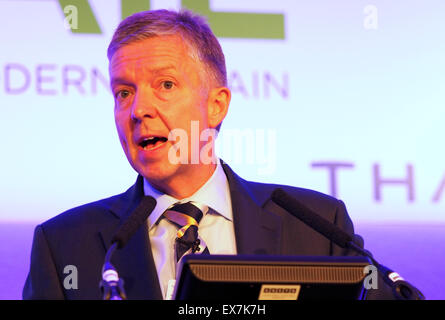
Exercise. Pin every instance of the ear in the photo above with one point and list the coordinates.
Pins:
(218, 105)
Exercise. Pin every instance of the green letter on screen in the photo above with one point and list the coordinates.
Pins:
(239, 25)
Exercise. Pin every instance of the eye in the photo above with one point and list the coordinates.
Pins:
(122, 94)
(167, 84)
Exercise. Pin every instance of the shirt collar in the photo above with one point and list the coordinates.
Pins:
(215, 193)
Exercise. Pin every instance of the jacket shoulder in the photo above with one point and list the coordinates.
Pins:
(93, 213)
(315, 200)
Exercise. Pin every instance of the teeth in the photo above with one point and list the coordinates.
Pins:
(150, 141)
(147, 139)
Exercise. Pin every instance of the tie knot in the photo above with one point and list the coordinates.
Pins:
(186, 214)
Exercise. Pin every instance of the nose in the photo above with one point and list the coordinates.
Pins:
(143, 106)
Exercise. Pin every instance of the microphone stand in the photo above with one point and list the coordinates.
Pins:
(402, 289)
(112, 286)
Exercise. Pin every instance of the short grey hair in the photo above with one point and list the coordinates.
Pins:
(193, 28)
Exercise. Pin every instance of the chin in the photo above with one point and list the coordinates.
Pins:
(156, 174)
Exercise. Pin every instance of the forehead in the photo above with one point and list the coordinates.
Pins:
(152, 53)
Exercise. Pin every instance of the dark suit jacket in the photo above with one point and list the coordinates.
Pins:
(81, 236)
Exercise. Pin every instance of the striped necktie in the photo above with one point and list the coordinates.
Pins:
(187, 217)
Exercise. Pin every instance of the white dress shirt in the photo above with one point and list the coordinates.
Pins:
(216, 227)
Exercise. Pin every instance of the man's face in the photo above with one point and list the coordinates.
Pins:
(157, 87)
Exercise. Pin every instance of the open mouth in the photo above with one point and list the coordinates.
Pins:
(152, 142)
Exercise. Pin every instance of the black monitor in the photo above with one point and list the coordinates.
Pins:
(253, 277)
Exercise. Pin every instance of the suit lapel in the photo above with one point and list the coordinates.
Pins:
(257, 231)
(121, 207)
(134, 262)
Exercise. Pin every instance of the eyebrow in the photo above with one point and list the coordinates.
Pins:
(121, 80)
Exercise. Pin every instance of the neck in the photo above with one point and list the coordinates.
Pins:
(186, 182)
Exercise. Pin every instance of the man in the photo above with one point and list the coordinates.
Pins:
(168, 78)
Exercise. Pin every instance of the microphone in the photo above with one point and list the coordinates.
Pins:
(112, 286)
(401, 289)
